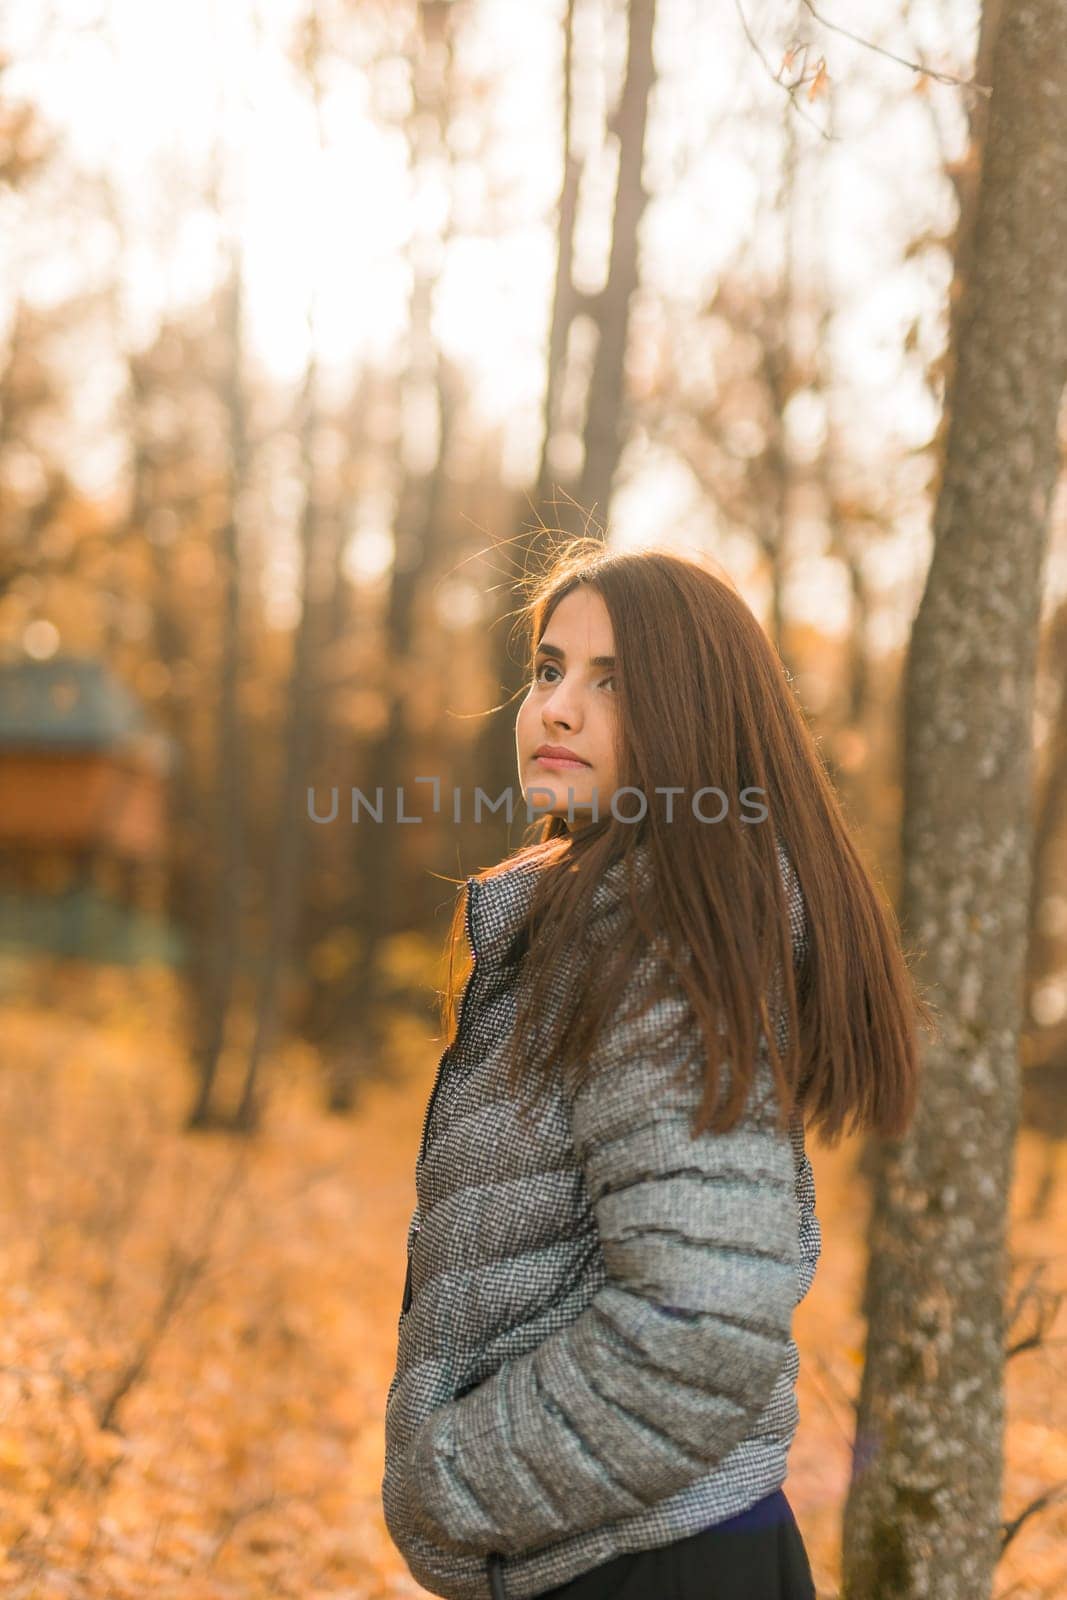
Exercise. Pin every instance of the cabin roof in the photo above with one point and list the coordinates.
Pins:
(71, 701)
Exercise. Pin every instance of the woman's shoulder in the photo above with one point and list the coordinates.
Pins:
(634, 875)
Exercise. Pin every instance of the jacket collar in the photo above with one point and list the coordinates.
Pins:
(498, 906)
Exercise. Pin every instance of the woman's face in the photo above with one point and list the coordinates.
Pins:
(571, 704)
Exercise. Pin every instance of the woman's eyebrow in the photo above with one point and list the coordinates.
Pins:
(561, 655)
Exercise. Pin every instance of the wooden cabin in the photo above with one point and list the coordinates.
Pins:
(83, 814)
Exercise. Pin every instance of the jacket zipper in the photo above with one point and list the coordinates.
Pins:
(405, 1300)
(471, 890)
(494, 1564)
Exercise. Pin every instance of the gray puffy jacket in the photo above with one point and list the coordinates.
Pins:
(595, 1347)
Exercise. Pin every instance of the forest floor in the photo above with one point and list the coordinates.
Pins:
(197, 1332)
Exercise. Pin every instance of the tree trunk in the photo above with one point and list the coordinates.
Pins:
(565, 300)
(302, 703)
(923, 1515)
(966, 177)
(1049, 870)
(223, 911)
(418, 525)
(780, 366)
(607, 389)
(605, 401)
(288, 858)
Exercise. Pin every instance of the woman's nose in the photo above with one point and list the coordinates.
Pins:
(560, 710)
(562, 706)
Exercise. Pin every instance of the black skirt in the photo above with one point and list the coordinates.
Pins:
(756, 1555)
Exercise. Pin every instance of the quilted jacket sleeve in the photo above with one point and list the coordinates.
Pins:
(669, 1365)
(810, 1230)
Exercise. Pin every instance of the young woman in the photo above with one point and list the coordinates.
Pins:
(595, 1385)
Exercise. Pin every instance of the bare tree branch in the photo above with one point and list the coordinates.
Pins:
(912, 66)
(776, 77)
(814, 78)
(1058, 1491)
(1047, 1303)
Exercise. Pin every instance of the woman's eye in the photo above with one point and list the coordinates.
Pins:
(550, 666)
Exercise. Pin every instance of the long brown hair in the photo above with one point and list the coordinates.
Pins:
(703, 699)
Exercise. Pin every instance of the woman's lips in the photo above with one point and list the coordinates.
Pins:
(561, 762)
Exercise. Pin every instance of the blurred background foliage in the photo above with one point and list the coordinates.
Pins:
(314, 314)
